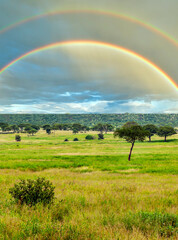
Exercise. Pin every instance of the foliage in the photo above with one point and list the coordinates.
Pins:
(3, 126)
(75, 139)
(17, 138)
(32, 131)
(131, 134)
(103, 127)
(117, 120)
(66, 140)
(130, 124)
(89, 137)
(166, 131)
(100, 136)
(75, 130)
(15, 128)
(32, 192)
(48, 131)
(46, 126)
(152, 129)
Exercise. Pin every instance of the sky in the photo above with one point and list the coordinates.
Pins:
(111, 56)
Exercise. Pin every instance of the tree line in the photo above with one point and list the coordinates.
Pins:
(31, 129)
(117, 120)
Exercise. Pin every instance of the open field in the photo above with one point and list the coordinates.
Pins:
(50, 151)
(99, 194)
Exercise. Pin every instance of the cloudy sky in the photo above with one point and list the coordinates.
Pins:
(84, 77)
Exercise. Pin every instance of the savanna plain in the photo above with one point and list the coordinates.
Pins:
(99, 194)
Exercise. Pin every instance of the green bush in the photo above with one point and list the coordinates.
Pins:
(66, 140)
(32, 192)
(100, 136)
(89, 137)
(17, 138)
(75, 139)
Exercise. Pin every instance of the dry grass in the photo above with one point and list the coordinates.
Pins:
(88, 205)
(136, 200)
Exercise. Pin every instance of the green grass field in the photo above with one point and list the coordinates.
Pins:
(99, 194)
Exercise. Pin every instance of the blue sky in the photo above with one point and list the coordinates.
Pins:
(88, 78)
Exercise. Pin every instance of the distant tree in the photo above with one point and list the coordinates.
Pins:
(66, 126)
(56, 126)
(99, 127)
(17, 138)
(32, 131)
(3, 126)
(85, 128)
(27, 128)
(100, 136)
(131, 134)
(75, 130)
(21, 126)
(35, 127)
(166, 131)
(76, 127)
(15, 128)
(7, 129)
(48, 131)
(152, 129)
(46, 126)
(108, 127)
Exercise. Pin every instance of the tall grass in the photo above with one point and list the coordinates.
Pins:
(98, 193)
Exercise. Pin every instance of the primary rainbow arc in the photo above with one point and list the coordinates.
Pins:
(96, 43)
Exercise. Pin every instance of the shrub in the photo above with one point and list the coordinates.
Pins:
(17, 138)
(66, 140)
(48, 131)
(75, 139)
(100, 136)
(32, 192)
(89, 137)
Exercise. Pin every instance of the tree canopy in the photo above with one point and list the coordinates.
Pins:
(152, 129)
(166, 131)
(131, 134)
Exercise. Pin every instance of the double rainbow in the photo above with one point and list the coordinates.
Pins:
(99, 44)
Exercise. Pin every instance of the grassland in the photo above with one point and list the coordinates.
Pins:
(99, 194)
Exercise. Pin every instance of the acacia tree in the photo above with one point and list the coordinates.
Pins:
(131, 134)
(152, 129)
(166, 131)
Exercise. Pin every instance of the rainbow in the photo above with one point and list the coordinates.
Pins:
(95, 43)
(92, 11)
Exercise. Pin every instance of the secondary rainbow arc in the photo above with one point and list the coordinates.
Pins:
(93, 11)
(96, 43)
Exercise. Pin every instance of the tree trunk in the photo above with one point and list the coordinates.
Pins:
(165, 138)
(131, 151)
(149, 138)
